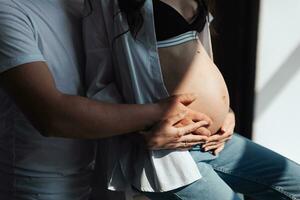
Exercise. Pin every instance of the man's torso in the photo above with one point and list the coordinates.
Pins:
(30, 162)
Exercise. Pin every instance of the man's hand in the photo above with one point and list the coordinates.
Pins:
(216, 143)
(175, 131)
(178, 104)
(166, 135)
(203, 130)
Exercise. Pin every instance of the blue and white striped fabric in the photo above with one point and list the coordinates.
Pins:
(177, 40)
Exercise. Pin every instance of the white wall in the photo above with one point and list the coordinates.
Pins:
(277, 109)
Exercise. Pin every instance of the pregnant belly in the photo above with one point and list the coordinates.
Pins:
(187, 68)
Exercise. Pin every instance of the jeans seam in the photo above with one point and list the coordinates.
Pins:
(275, 188)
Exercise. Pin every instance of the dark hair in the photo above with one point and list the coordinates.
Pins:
(133, 11)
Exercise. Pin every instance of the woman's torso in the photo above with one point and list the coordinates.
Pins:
(139, 79)
(187, 68)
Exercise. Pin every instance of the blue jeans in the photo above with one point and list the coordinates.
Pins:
(243, 167)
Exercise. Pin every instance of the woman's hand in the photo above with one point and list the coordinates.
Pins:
(166, 135)
(216, 143)
(172, 132)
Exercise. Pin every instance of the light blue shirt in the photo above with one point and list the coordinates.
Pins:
(30, 164)
(123, 68)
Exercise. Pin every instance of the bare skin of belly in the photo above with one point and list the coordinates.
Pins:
(187, 68)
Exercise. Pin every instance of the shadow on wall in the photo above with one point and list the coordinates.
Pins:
(278, 82)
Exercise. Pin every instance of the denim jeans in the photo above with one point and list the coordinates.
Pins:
(243, 167)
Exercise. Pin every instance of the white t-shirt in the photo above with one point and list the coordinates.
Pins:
(32, 165)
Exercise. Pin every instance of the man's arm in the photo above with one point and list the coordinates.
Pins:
(59, 115)
(56, 114)
(53, 113)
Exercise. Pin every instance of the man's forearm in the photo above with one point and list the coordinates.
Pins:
(33, 89)
(78, 117)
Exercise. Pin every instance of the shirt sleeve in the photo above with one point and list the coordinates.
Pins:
(18, 44)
